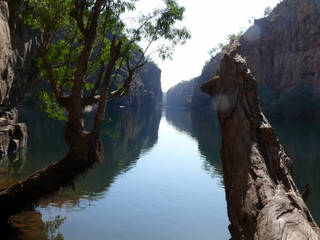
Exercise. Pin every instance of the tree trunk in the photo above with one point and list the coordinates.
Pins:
(262, 198)
(83, 155)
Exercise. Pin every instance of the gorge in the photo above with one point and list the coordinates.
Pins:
(281, 49)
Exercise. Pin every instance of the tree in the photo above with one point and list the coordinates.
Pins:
(87, 46)
(267, 11)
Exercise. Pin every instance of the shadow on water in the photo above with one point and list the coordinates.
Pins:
(203, 126)
(129, 134)
(301, 141)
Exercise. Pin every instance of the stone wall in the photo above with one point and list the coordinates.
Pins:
(18, 49)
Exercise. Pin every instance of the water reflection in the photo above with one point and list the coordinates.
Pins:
(130, 134)
(204, 127)
(301, 141)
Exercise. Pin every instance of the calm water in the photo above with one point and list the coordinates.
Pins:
(161, 177)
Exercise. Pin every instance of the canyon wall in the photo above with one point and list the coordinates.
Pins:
(18, 51)
(282, 50)
(145, 90)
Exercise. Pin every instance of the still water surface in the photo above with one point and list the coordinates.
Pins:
(161, 178)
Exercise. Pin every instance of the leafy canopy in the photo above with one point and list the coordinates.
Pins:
(89, 52)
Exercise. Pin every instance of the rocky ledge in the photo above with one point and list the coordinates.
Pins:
(13, 135)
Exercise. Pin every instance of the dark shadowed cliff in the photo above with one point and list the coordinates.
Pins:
(282, 50)
(181, 94)
(145, 90)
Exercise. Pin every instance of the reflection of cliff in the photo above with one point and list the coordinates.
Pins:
(302, 145)
(204, 127)
(130, 133)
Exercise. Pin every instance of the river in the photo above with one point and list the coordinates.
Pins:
(161, 177)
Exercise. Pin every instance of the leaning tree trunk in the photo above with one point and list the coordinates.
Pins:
(262, 198)
(84, 154)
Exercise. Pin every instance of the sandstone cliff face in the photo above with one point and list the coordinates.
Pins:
(282, 49)
(188, 93)
(18, 51)
(145, 90)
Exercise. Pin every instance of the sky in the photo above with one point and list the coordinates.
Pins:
(209, 22)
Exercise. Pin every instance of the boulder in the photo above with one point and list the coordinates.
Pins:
(13, 135)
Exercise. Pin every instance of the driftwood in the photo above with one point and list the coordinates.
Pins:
(83, 155)
(263, 200)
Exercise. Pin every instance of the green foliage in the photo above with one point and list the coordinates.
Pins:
(47, 16)
(47, 104)
(52, 228)
(267, 11)
(296, 103)
(66, 25)
(230, 37)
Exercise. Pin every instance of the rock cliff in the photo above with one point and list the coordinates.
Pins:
(282, 50)
(145, 90)
(180, 95)
(18, 51)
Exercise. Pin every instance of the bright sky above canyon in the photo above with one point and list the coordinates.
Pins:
(210, 22)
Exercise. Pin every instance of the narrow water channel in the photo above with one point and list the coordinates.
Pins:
(161, 179)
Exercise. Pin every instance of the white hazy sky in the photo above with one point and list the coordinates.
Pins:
(209, 22)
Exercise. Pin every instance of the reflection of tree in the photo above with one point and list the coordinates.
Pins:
(204, 127)
(52, 228)
(130, 133)
(11, 165)
(301, 141)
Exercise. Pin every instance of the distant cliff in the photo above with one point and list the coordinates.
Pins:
(145, 90)
(180, 95)
(282, 50)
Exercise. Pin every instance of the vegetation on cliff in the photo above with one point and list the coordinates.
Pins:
(282, 51)
(297, 103)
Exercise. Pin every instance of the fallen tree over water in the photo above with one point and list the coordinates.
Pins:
(263, 200)
(83, 155)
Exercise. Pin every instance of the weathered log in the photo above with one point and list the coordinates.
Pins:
(83, 155)
(262, 198)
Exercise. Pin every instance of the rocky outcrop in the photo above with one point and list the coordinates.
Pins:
(13, 135)
(18, 51)
(145, 90)
(263, 200)
(282, 50)
(19, 46)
